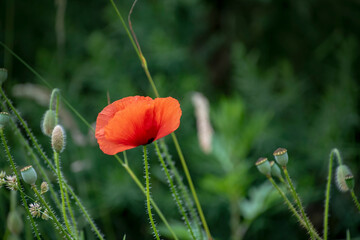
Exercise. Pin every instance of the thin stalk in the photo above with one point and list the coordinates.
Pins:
(10, 158)
(357, 204)
(55, 93)
(297, 200)
(173, 190)
(184, 191)
(293, 210)
(139, 184)
(52, 215)
(74, 225)
(63, 203)
(191, 185)
(327, 195)
(148, 193)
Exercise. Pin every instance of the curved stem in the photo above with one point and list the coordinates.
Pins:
(71, 213)
(297, 200)
(148, 194)
(8, 154)
(327, 195)
(292, 208)
(173, 190)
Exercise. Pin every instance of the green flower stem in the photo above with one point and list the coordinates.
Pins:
(297, 200)
(148, 194)
(74, 225)
(173, 190)
(52, 215)
(8, 154)
(327, 195)
(63, 203)
(191, 185)
(184, 191)
(293, 210)
(357, 204)
(139, 184)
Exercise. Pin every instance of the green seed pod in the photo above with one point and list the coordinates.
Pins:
(58, 139)
(263, 166)
(343, 172)
(3, 75)
(4, 119)
(29, 175)
(275, 170)
(14, 222)
(48, 122)
(281, 156)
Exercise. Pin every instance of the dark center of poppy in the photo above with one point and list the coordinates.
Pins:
(150, 140)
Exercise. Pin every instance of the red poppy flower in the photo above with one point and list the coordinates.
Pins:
(135, 121)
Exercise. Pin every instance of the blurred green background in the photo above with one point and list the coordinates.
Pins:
(275, 72)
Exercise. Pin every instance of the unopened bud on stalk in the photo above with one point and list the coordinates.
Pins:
(58, 139)
(48, 122)
(29, 175)
(281, 156)
(3, 75)
(275, 170)
(14, 222)
(344, 178)
(263, 166)
(44, 187)
(4, 119)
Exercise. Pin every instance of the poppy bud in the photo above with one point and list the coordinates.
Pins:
(281, 156)
(275, 170)
(4, 119)
(44, 187)
(3, 75)
(263, 166)
(58, 139)
(48, 122)
(343, 177)
(29, 175)
(14, 222)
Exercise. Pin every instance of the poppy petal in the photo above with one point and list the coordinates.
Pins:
(168, 113)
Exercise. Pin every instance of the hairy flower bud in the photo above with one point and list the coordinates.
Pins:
(48, 122)
(263, 166)
(281, 156)
(58, 139)
(29, 175)
(343, 177)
